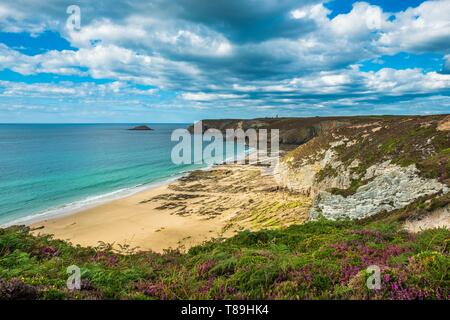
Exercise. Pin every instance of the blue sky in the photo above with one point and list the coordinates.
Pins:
(184, 60)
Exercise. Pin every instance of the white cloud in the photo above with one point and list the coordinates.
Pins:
(446, 66)
(299, 14)
(106, 31)
(424, 28)
(212, 58)
(71, 89)
(202, 96)
(394, 82)
(150, 34)
(360, 21)
(9, 13)
(101, 61)
(315, 12)
(164, 44)
(352, 81)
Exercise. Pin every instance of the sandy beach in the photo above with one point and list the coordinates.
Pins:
(201, 206)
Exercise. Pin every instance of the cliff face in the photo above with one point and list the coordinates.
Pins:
(360, 170)
(293, 131)
(392, 188)
(359, 167)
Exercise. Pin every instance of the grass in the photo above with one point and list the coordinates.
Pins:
(403, 140)
(354, 185)
(316, 260)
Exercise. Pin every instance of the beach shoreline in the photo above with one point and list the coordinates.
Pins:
(87, 203)
(101, 199)
(201, 205)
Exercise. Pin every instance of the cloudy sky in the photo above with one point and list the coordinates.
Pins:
(184, 60)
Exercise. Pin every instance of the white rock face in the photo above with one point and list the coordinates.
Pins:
(380, 169)
(439, 218)
(301, 179)
(388, 186)
(393, 187)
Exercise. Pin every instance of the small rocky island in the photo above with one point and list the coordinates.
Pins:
(141, 128)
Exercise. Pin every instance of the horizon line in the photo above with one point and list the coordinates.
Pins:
(243, 118)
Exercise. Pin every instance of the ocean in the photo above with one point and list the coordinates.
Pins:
(48, 170)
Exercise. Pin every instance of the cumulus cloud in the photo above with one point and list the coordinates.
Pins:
(424, 28)
(246, 39)
(362, 20)
(247, 54)
(9, 18)
(395, 82)
(100, 62)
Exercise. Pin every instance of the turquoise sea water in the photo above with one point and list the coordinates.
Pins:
(51, 169)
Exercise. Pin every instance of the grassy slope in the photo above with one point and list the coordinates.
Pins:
(312, 261)
(403, 140)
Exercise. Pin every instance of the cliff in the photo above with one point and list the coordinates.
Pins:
(359, 167)
(361, 170)
(293, 131)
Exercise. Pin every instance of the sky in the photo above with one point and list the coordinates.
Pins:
(186, 60)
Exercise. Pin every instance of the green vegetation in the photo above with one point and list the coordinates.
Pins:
(354, 185)
(402, 140)
(327, 171)
(316, 260)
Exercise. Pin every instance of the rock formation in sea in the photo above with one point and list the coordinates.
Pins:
(141, 128)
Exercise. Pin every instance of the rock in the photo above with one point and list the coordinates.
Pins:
(141, 128)
(357, 171)
(389, 190)
(439, 218)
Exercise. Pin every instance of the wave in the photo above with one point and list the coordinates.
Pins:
(93, 201)
(89, 202)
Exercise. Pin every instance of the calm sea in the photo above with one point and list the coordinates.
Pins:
(52, 169)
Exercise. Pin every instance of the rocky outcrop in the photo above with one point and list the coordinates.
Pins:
(293, 131)
(439, 218)
(356, 167)
(444, 124)
(300, 180)
(392, 188)
(141, 128)
(303, 177)
(361, 170)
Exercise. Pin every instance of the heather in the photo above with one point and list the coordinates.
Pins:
(315, 260)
